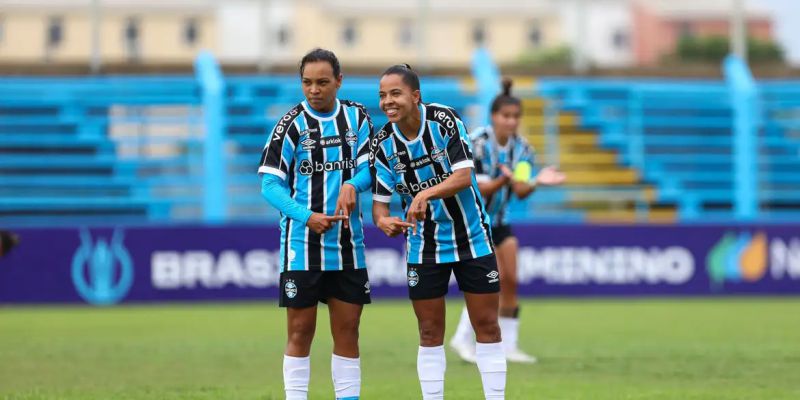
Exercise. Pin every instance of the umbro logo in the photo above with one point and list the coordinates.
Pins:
(399, 166)
(308, 144)
(493, 276)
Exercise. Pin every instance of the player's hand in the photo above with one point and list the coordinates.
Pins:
(346, 203)
(550, 176)
(506, 172)
(417, 210)
(321, 223)
(393, 226)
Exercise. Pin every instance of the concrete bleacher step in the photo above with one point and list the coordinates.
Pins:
(621, 194)
(595, 158)
(565, 140)
(610, 177)
(598, 184)
(562, 119)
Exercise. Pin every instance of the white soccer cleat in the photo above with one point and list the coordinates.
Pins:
(464, 349)
(518, 356)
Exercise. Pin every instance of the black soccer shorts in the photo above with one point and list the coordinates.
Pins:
(500, 233)
(430, 280)
(300, 289)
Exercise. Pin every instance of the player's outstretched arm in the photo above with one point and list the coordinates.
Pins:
(275, 191)
(548, 176)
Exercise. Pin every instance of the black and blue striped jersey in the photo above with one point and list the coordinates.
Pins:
(489, 156)
(315, 153)
(455, 228)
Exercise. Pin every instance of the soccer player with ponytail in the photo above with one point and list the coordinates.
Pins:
(503, 164)
(424, 155)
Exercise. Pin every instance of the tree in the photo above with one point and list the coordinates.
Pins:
(713, 49)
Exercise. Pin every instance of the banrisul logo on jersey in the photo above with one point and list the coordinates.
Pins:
(751, 257)
(102, 271)
(308, 167)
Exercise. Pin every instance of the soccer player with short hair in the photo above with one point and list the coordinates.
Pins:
(315, 161)
(499, 150)
(424, 155)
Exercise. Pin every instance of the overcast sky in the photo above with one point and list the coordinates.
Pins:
(786, 14)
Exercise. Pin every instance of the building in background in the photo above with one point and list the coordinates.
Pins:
(428, 33)
(275, 33)
(438, 34)
(136, 31)
(601, 29)
(658, 25)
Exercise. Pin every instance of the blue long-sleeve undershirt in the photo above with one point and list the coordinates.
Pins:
(362, 180)
(275, 191)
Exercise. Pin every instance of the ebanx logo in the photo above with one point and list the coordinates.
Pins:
(746, 257)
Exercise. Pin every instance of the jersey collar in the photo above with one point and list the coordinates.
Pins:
(322, 116)
(422, 121)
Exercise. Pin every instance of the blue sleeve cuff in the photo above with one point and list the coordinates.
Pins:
(362, 181)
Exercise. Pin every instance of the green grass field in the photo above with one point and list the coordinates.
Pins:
(588, 349)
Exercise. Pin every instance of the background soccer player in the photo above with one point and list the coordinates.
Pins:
(314, 161)
(423, 154)
(499, 150)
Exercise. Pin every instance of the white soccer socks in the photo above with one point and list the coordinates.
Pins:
(296, 372)
(346, 374)
(431, 364)
(492, 365)
(509, 328)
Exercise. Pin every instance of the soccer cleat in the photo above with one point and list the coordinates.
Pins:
(464, 349)
(518, 356)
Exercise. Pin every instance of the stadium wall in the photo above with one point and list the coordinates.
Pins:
(105, 266)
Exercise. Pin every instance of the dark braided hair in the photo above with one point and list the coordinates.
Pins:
(505, 97)
(408, 75)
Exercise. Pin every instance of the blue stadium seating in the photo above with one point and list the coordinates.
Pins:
(130, 149)
(679, 134)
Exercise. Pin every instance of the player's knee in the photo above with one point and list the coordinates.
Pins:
(346, 327)
(486, 329)
(431, 333)
(301, 333)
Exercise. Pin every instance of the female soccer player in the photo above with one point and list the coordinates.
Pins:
(317, 153)
(499, 150)
(424, 155)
